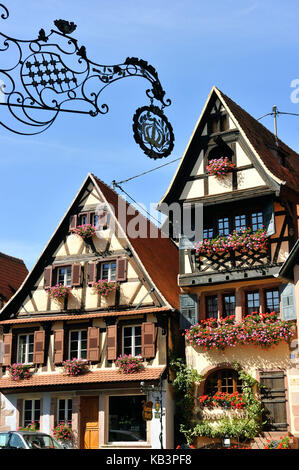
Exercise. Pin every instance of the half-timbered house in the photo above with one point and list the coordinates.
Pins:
(224, 275)
(138, 317)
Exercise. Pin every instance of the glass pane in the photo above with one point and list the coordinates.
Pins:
(272, 301)
(125, 419)
(229, 304)
(240, 221)
(223, 226)
(212, 306)
(113, 272)
(208, 233)
(253, 302)
(257, 220)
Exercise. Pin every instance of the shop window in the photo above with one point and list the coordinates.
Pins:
(78, 344)
(64, 410)
(253, 302)
(224, 380)
(125, 419)
(25, 348)
(212, 306)
(31, 412)
(132, 340)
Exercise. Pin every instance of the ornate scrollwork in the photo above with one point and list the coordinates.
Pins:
(52, 73)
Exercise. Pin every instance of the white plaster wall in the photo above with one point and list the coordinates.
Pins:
(9, 409)
(46, 411)
(155, 422)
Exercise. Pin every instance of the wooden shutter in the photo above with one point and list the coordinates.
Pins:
(269, 219)
(148, 336)
(112, 343)
(121, 269)
(287, 299)
(273, 398)
(76, 274)
(58, 346)
(48, 277)
(73, 221)
(188, 310)
(39, 347)
(93, 344)
(7, 340)
(91, 272)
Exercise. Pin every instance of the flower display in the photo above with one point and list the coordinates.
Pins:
(242, 240)
(231, 400)
(260, 330)
(63, 432)
(59, 292)
(19, 371)
(75, 366)
(129, 364)
(284, 442)
(220, 167)
(104, 287)
(33, 426)
(84, 231)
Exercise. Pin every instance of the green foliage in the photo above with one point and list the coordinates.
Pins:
(247, 426)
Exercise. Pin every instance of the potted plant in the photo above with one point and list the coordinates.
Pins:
(75, 366)
(129, 364)
(64, 434)
(284, 442)
(84, 231)
(220, 167)
(104, 287)
(19, 371)
(59, 292)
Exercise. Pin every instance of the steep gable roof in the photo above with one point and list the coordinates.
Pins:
(269, 150)
(12, 273)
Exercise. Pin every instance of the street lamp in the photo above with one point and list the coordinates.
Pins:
(52, 74)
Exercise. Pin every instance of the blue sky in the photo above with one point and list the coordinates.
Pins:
(248, 49)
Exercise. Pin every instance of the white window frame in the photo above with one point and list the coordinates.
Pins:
(65, 280)
(33, 400)
(65, 399)
(133, 336)
(110, 277)
(79, 349)
(26, 348)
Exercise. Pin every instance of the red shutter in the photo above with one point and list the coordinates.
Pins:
(76, 274)
(148, 340)
(7, 340)
(48, 277)
(58, 346)
(73, 221)
(121, 269)
(93, 344)
(102, 219)
(91, 272)
(112, 343)
(39, 347)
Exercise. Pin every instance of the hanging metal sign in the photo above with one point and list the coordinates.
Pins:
(43, 77)
(147, 413)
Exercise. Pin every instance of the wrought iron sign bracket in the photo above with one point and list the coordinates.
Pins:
(52, 74)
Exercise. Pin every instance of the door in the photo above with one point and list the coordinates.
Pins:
(89, 414)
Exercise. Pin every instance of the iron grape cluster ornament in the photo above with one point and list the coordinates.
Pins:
(43, 77)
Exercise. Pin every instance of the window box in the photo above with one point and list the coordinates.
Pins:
(220, 167)
(104, 287)
(128, 364)
(75, 367)
(59, 292)
(19, 371)
(85, 231)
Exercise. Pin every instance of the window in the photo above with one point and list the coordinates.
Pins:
(125, 419)
(25, 348)
(208, 233)
(78, 344)
(240, 221)
(272, 301)
(132, 340)
(64, 412)
(253, 302)
(212, 306)
(256, 220)
(82, 219)
(108, 271)
(223, 226)
(223, 122)
(94, 218)
(229, 305)
(64, 275)
(225, 380)
(31, 412)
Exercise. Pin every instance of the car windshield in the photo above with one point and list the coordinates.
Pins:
(3, 439)
(41, 442)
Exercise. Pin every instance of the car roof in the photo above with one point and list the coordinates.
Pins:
(33, 433)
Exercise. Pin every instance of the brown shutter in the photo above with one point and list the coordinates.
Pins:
(93, 344)
(91, 272)
(112, 343)
(76, 274)
(48, 277)
(121, 269)
(73, 221)
(39, 347)
(7, 340)
(58, 346)
(148, 340)
(102, 219)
